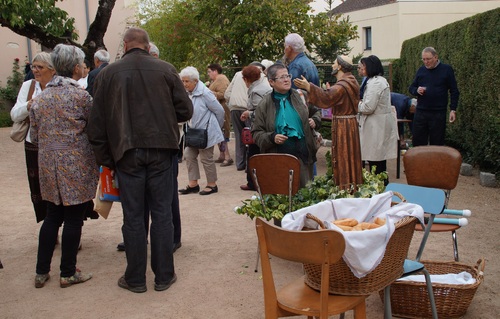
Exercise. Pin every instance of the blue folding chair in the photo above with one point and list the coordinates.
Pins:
(432, 201)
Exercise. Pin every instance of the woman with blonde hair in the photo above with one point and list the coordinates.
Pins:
(43, 70)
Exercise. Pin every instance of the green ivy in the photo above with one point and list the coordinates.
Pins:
(318, 190)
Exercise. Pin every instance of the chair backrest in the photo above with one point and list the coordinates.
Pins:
(322, 247)
(432, 200)
(432, 166)
(271, 172)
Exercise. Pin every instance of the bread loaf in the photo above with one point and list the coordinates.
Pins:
(346, 222)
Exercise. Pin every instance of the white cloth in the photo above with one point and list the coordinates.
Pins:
(463, 278)
(364, 249)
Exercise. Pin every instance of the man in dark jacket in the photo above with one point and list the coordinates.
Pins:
(133, 128)
(101, 60)
(432, 84)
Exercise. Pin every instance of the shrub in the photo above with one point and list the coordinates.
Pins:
(14, 82)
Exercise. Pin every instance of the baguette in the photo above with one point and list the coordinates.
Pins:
(346, 222)
(379, 221)
(344, 228)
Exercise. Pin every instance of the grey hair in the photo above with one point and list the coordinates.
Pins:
(102, 55)
(273, 70)
(153, 49)
(296, 42)
(431, 50)
(65, 57)
(44, 57)
(190, 72)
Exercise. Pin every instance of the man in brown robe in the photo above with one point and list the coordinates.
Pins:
(343, 98)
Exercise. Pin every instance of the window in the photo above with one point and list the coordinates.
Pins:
(368, 38)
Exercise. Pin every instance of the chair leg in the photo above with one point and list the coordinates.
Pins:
(430, 292)
(257, 261)
(360, 310)
(455, 244)
(387, 303)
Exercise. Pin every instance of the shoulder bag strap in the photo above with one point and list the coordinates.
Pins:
(30, 95)
(31, 91)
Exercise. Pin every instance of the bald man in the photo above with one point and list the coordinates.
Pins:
(138, 103)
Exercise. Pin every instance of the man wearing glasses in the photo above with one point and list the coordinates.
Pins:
(432, 84)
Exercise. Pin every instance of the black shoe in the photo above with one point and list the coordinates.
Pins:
(123, 284)
(213, 189)
(162, 287)
(177, 246)
(189, 190)
(120, 247)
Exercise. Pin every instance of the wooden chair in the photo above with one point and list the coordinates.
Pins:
(435, 167)
(322, 247)
(274, 173)
(432, 201)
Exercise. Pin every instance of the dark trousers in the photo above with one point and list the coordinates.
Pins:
(381, 166)
(72, 216)
(429, 127)
(40, 206)
(239, 147)
(176, 212)
(146, 175)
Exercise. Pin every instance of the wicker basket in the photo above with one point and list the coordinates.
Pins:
(409, 299)
(343, 281)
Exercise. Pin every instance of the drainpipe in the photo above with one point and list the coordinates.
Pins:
(87, 14)
(30, 55)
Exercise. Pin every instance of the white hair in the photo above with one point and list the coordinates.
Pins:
(190, 72)
(102, 55)
(296, 42)
(266, 63)
(153, 49)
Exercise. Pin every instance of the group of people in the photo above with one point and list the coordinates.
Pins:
(121, 121)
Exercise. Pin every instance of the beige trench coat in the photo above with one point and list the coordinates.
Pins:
(378, 125)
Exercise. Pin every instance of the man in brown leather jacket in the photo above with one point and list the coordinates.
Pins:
(138, 102)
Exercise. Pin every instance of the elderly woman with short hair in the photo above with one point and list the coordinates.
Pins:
(67, 164)
(43, 70)
(206, 109)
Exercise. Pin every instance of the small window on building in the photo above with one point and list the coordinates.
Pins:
(368, 38)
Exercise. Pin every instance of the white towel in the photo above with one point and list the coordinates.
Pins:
(364, 249)
(463, 278)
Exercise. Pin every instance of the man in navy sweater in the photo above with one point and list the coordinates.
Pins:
(432, 83)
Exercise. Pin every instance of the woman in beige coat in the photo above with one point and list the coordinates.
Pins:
(378, 127)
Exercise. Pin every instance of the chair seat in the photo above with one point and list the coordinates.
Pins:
(439, 227)
(299, 298)
(411, 266)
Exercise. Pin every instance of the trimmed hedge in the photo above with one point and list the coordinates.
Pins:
(470, 46)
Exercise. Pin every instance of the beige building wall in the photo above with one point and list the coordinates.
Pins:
(394, 23)
(15, 46)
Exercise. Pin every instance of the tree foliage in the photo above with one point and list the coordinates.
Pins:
(237, 32)
(48, 25)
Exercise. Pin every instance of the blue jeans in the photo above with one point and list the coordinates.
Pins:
(146, 174)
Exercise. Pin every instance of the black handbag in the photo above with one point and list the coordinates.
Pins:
(197, 137)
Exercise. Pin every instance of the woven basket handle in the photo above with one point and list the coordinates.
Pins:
(401, 197)
(480, 266)
(316, 219)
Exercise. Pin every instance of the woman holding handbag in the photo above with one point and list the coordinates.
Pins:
(258, 86)
(208, 115)
(43, 71)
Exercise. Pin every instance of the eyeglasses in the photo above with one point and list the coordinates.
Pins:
(37, 67)
(283, 77)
